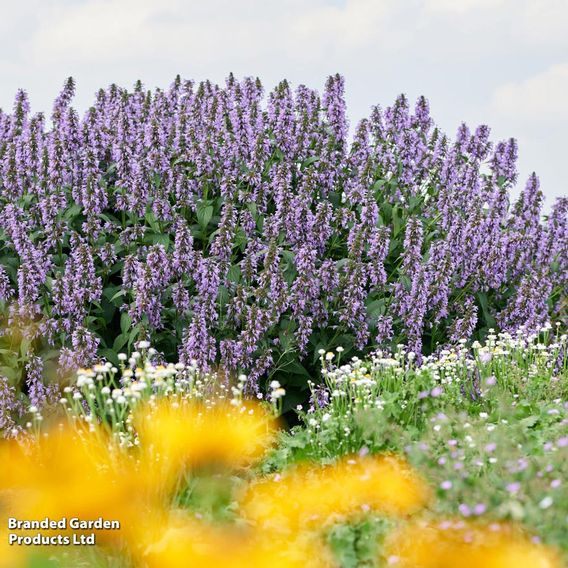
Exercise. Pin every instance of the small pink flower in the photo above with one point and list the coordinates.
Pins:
(513, 487)
(479, 509)
(485, 357)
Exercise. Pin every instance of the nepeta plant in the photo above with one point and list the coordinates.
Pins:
(249, 232)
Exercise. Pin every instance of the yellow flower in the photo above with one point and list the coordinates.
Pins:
(11, 556)
(310, 496)
(466, 545)
(187, 433)
(186, 542)
(70, 473)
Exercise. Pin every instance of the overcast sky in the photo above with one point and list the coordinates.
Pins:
(498, 62)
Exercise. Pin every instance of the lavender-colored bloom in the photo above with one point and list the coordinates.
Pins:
(335, 107)
(34, 382)
(319, 397)
(528, 307)
(464, 510)
(479, 509)
(305, 295)
(223, 243)
(504, 161)
(78, 286)
(306, 229)
(10, 406)
(180, 298)
(412, 304)
(413, 239)
(39, 394)
(384, 329)
(81, 353)
(479, 144)
(463, 326)
(513, 487)
(6, 291)
(261, 367)
(378, 250)
(436, 392)
(198, 343)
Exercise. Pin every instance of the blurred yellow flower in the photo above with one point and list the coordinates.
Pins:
(11, 556)
(466, 545)
(310, 496)
(186, 542)
(70, 474)
(187, 433)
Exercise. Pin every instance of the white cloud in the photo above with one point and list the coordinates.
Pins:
(474, 59)
(461, 6)
(118, 30)
(542, 97)
(96, 29)
(543, 22)
(355, 24)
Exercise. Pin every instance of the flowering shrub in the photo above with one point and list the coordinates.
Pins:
(249, 234)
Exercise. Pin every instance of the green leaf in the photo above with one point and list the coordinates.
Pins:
(222, 296)
(397, 221)
(484, 303)
(289, 257)
(378, 184)
(156, 180)
(51, 354)
(133, 334)
(204, 215)
(152, 221)
(376, 308)
(11, 373)
(120, 342)
(125, 322)
(530, 421)
(158, 239)
(25, 346)
(234, 273)
(7, 351)
(118, 295)
(110, 291)
(72, 211)
(108, 309)
(309, 161)
(414, 202)
(297, 441)
(240, 239)
(252, 208)
(294, 367)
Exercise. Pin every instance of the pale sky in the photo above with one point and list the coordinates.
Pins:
(499, 62)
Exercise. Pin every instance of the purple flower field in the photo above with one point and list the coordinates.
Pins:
(245, 230)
